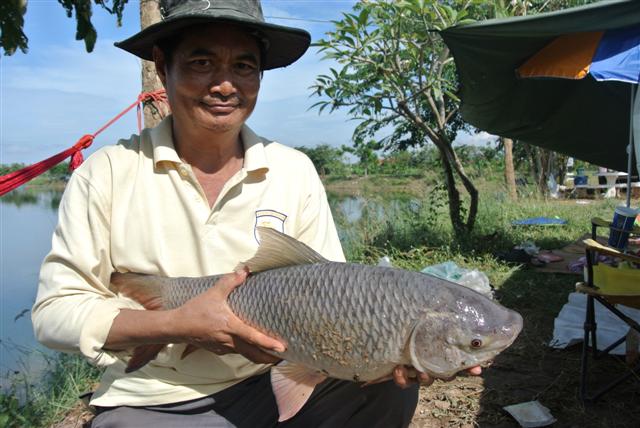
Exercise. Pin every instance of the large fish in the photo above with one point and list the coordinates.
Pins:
(343, 320)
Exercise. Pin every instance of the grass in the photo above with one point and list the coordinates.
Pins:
(53, 399)
(423, 220)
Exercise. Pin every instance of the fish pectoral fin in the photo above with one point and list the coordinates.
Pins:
(188, 350)
(292, 386)
(277, 250)
(142, 355)
(379, 380)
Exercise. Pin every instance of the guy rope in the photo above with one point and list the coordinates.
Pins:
(17, 178)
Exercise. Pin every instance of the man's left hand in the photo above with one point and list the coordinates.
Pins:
(405, 376)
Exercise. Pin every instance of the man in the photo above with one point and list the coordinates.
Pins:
(184, 199)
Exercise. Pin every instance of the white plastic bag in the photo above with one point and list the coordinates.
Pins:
(385, 261)
(473, 279)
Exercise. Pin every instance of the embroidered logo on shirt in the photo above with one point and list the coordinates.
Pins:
(269, 218)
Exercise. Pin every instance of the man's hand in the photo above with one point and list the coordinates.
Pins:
(206, 321)
(405, 376)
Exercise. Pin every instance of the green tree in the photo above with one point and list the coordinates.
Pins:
(395, 71)
(326, 159)
(398, 163)
(12, 21)
(365, 151)
(59, 172)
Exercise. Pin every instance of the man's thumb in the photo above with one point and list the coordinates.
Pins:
(230, 281)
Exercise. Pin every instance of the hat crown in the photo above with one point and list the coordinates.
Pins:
(247, 9)
(283, 45)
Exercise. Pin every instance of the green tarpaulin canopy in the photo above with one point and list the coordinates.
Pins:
(584, 118)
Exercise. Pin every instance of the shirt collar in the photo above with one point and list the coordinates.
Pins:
(162, 143)
(255, 158)
(164, 150)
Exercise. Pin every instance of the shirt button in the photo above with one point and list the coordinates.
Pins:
(183, 171)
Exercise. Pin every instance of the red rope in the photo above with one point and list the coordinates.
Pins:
(17, 178)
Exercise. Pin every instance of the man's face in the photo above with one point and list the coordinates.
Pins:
(213, 79)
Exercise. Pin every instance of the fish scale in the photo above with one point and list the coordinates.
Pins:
(341, 325)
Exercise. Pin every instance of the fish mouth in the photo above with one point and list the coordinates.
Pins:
(505, 337)
(513, 326)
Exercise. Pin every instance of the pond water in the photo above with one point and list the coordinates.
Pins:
(27, 221)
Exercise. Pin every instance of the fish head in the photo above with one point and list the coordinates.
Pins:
(445, 343)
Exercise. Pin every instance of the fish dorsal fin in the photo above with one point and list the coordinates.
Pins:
(278, 250)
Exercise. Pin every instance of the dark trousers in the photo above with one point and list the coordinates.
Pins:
(251, 404)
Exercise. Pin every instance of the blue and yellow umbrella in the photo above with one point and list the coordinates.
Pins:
(565, 80)
(611, 56)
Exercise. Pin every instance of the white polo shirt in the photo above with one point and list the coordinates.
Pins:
(137, 207)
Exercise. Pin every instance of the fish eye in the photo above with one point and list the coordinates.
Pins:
(476, 343)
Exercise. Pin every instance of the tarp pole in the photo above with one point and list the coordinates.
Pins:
(634, 137)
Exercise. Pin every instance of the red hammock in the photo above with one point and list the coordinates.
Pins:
(17, 178)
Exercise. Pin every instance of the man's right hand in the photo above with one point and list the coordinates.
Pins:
(206, 321)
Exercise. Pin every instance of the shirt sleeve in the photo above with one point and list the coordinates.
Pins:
(317, 228)
(74, 308)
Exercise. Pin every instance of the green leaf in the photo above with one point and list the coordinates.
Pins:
(364, 17)
(452, 95)
(319, 103)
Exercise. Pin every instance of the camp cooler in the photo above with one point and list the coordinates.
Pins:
(620, 281)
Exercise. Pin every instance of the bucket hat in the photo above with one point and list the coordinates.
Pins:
(282, 45)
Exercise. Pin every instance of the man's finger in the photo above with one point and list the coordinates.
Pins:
(475, 371)
(414, 375)
(401, 377)
(254, 353)
(425, 379)
(229, 282)
(254, 337)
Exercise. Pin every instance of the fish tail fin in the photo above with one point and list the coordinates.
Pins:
(142, 355)
(144, 289)
(292, 386)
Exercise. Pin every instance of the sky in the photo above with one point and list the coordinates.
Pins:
(57, 92)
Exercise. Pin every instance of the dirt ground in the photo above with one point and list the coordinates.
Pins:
(554, 382)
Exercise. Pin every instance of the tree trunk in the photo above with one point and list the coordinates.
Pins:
(536, 166)
(509, 172)
(453, 167)
(153, 113)
(454, 196)
(471, 189)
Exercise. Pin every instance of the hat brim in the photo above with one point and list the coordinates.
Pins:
(286, 44)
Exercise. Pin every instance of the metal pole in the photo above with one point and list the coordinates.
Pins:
(630, 151)
(634, 128)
